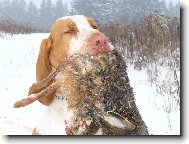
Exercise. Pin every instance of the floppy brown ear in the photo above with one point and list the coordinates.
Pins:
(43, 67)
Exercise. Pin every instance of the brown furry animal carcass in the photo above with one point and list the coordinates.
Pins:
(98, 92)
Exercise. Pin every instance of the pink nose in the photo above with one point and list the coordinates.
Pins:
(99, 43)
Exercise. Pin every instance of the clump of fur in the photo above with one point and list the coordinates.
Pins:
(120, 98)
(101, 81)
(97, 90)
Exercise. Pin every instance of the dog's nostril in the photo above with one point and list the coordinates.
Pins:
(97, 42)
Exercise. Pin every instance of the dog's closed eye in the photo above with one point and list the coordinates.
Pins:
(70, 30)
(94, 26)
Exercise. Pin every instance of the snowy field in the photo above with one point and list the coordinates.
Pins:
(17, 66)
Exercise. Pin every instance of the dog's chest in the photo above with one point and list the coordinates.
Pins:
(53, 121)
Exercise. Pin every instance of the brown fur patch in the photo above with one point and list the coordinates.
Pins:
(92, 23)
(53, 50)
(83, 79)
(61, 40)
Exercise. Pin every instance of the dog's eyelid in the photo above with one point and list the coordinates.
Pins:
(94, 26)
(70, 30)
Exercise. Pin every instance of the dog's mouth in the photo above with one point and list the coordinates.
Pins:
(96, 49)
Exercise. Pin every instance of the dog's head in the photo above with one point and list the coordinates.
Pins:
(70, 35)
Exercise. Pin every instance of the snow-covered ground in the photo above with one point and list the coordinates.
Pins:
(152, 106)
(17, 65)
(18, 55)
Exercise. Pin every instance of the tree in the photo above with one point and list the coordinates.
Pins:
(174, 10)
(1, 10)
(162, 7)
(59, 10)
(133, 10)
(82, 7)
(45, 14)
(6, 8)
(177, 10)
(32, 13)
(105, 10)
(18, 10)
(171, 9)
(123, 11)
(99, 10)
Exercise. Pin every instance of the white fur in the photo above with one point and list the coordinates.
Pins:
(52, 122)
(85, 31)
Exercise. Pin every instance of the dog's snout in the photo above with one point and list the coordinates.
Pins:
(99, 40)
(99, 43)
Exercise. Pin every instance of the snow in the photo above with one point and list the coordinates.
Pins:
(17, 66)
(159, 122)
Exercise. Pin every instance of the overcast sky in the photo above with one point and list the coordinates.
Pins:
(38, 2)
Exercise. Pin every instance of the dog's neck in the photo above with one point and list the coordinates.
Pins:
(54, 117)
(53, 120)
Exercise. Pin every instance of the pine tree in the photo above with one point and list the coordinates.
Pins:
(105, 10)
(162, 8)
(123, 11)
(17, 10)
(171, 9)
(1, 10)
(82, 7)
(22, 10)
(177, 10)
(59, 10)
(45, 14)
(32, 13)
(133, 10)
(99, 10)
(6, 4)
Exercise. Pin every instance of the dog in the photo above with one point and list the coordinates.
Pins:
(69, 35)
(83, 82)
